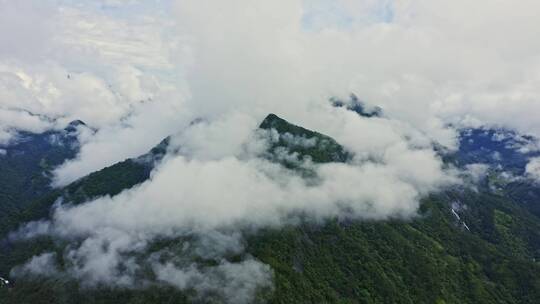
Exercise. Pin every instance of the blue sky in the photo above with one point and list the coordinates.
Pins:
(327, 13)
(318, 13)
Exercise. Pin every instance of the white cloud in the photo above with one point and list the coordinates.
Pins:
(42, 265)
(533, 168)
(24, 29)
(419, 68)
(230, 282)
(144, 127)
(477, 172)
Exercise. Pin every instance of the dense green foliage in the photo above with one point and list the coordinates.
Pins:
(25, 169)
(430, 259)
(108, 181)
(302, 142)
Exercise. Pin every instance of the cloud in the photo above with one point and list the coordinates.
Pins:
(232, 282)
(24, 29)
(476, 172)
(42, 265)
(533, 168)
(130, 137)
(417, 67)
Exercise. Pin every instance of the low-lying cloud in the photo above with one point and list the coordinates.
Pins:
(532, 169)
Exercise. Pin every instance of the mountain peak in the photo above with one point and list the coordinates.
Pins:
(76, 122)
(73, 125)
(270, 120)
(318, 147)
(356, 105)
(282, 126)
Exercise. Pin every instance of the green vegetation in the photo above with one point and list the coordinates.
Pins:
(25, 170)
(303, 142)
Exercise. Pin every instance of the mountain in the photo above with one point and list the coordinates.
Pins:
(467, 245)
(303, 144)
(26, 165)
(497, 148)
(358, 106)
(505, 153)
(107, 181)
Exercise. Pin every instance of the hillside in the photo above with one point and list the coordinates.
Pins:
(26, 166)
